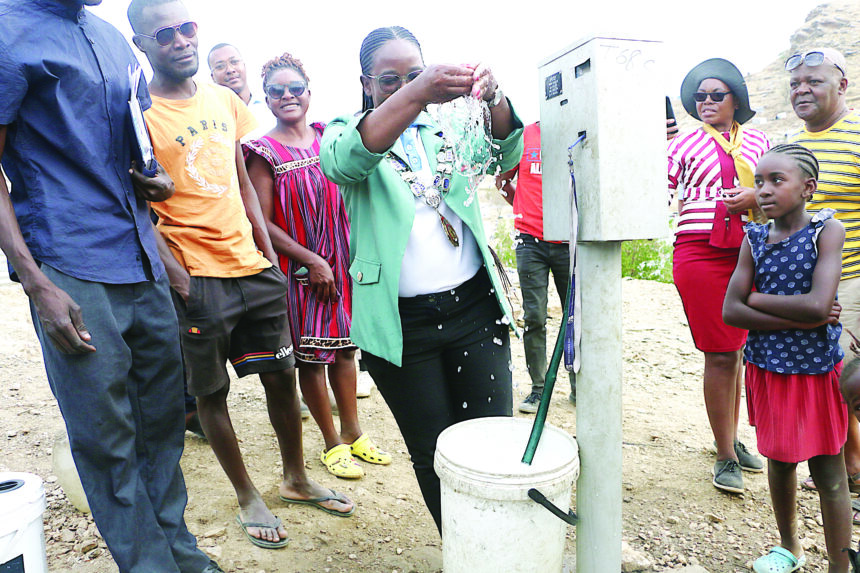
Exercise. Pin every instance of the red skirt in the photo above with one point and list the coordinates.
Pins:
(701, 274)
(796, 416)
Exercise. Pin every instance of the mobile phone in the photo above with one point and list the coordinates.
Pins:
(671, 124)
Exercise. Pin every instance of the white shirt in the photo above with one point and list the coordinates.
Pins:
(263, 115)
(431, 263)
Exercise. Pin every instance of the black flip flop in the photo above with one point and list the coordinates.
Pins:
(318, 501)
(265, 544)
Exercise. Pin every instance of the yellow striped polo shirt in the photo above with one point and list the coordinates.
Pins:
(837, 150)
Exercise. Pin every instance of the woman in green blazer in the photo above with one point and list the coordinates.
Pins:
(429, 310)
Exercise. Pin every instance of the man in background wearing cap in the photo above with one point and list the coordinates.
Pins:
(832, 132)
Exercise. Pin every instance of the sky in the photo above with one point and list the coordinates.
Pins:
(511, 37)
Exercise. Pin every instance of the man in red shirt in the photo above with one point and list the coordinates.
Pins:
(535, 259)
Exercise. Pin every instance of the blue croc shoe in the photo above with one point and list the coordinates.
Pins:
(778, 560)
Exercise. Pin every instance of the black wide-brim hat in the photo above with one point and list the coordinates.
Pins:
(726, 72)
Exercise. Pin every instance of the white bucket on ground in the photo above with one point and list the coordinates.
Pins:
(489, 524)
(22, 537)
(67, 473)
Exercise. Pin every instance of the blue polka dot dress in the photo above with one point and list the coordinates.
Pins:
(792, 376)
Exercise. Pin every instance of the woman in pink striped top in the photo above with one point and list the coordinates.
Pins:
(711, 170)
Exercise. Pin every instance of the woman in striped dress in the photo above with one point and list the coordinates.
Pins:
(711, 170)
(310, 231)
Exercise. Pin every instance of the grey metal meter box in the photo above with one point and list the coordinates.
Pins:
(610, 90)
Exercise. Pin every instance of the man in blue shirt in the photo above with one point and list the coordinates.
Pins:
(75, 228)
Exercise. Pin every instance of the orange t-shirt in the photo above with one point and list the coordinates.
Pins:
(204, 223)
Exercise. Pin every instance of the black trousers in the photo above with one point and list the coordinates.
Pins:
(456, 366)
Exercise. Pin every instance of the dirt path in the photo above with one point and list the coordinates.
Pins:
(673, 516)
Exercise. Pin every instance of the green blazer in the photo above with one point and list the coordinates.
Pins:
(381, 210)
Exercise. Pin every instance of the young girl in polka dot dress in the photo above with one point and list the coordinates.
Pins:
(792, 353)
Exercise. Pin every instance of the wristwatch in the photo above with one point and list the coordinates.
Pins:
(497, 99)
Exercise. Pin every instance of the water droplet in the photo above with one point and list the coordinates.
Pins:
(453, 291)
(492, 376)
(510, 366)
(459, 368)
(506, 320)
(489, 399)
(497, 322)
(492, 291)
(440, 327)
(465, 353)
(497, 341)
(456, 299)
(465, 405)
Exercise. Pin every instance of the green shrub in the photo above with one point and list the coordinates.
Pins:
(647, 259)
(503, 242)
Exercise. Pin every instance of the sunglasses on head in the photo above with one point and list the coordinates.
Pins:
(165, 36)
(277, 91)
(811, 59)
(716, 97)
(390, 83)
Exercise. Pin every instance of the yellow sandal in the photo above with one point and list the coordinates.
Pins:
(340, 462)
(365, 449)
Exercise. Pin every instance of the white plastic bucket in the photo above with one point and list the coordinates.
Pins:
(489, 523)
(22, 537)
(67, 473)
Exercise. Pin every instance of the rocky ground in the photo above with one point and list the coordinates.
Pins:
(673, 517)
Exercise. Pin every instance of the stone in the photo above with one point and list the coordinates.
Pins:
(217, 532)
(213, 552)
(632, 560)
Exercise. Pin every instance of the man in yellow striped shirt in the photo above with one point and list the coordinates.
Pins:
(832, 132)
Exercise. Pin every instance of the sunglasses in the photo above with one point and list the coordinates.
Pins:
(165, 36)
(716, 97)
(277, 91)
(811, 59)
(390, 83)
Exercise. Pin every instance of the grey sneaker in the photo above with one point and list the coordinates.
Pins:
(748, 461)
(531, 403)
(727, 476)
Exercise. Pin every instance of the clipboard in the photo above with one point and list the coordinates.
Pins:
(142, 150)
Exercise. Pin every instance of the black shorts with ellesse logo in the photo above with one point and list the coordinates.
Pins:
(243, 320)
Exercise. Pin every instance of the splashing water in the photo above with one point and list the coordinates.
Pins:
(465, 124)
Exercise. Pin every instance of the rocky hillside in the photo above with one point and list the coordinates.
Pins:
(832, 24)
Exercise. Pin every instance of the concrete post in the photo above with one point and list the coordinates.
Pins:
(598, 410)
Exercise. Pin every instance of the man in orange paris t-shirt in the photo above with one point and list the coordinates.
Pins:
(229, 297)
(535, 259)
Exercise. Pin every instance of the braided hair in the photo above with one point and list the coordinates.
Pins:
(801, 156)
(371, 44)
(283, 62)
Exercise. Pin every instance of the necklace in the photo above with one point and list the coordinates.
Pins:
(433, 192)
